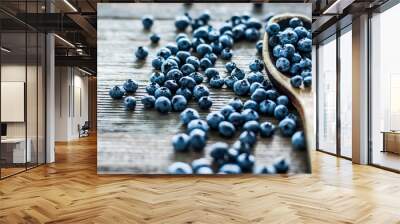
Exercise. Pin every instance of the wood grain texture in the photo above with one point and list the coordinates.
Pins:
(139, 141)
(70, 191)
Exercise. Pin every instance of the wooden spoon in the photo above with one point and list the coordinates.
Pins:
(302, 98)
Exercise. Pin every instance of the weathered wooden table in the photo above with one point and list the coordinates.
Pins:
(139, 142)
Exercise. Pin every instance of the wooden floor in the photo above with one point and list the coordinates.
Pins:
(70, 191)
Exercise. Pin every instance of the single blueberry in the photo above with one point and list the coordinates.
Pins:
(288, 51)
(238, 73)
(226, 129)
(179, 103)
(301, 32)
(250, 104)
(230, 66)
(273, 41)
(205, 102)
(193, 60)
(197, 76)
(201, 32)
(181, 35)
(287, 127)
(163, 104)
(298, 141)
(226, 41)
(203, 49)
(198, 139)
(277, 51)
(180, 142)
(295, 22)
(168, 65)
(283, 64)
(267, 129)
(211, 72)
(256, 65)
(253, 77)
(148, 101)
(213, 35)
(174, 74)
(217, 47)
(273, 28)
(252, 126)
(252, 34)
(230, 168)
(196, 41)
(241, 87)
(250, 115)
(182, 22)
(281, 166)
(164, 52)
(236, 119)
(141, 53)
(288, 36)
(307, 81)
(199, 91)
(204, 170)
(227, 110)
(184, 44)
(296, 58)
(272, 94)
(197, 124)
(187, 82)
(248, 137)
(230, 81)
(187, 69)
(236, 103)
(216, 82)
(180, 168)
(173, 48)
(154, 38)
(163, 91)
(212, 57)
(246, 162)
(238, 31)
(147, 22)
(282, 100)
(293, 117)
(305, 63)
(281, 112)
(182, 55)
(157, 77)
(254, 23)
(157, 62)
(152, 87)
(199, 163)
(188, 114)
(305, 45)
(296, 81)
(226, 54)
(219, 150)
(214, 118)
(205, 63)
(254, 86)
(295, 68)
(306, 73)
(242, 147)
(117, 92)
(259, 46)
(267, 107)
(184, 92)
(130, 103)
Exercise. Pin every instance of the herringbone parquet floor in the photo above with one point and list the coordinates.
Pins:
(70, 191)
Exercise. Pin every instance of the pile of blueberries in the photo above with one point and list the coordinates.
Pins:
(292, 48)
(179, 71)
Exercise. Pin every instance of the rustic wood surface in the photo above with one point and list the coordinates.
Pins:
(139, 141)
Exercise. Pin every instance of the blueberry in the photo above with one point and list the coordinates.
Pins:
(281, 166)
(267, 129)
(213, 35)
(301, 32)
(226, 129)
(204, 170)
(267, 107)
(273, 28)
(199, 163)
(283, 64)
(253, 77)
(246, 162)
(226, 41)
(296, 81)
(174, 74)
(184, 44)
(141, 53)
(211, 72)
(293, 117)
(205, 63)
(216, 82)
(187, 115)
(231, 155)
(198, 139)
(187, 69)
(277, 51)
(267, 17)
(197, 77)
(203, 49)
(201, 32)
(179, 103)
(193, 61)
(163, 91)
(148, 101)
(241, 87)
(226, 26)
(157, 77)
(197, 124)
(218, 150)
(282, 100)
(259, 46)
(288, 51)
(164, 52)
(252, 126)
(151, 88)
(230, 168)
(256, 65)
(250, 115)
(173, 48)
(226, 54)
(250, 104)
(295, 22)
(273, 41)
(163, 104)
(176, 59)
(205, 102)
(281, 112)
(217, 47)
(157, 62)
(295, 68)
(187, 82)
(254, 23)
(181, 35)
(182, 22)
(214, 118)
(230, 66)
(238, 31)
(248, 137)
(254, 86)
(305, 73)
(227, 110)
(196, 42)
(147, 22)
(305, 45)
(117, 92)
(307, 81)
(272, 94)
(242, 147)
(230, 81)
(130, 103)
(288, 36)
(298, 141)
(180, 142)
(261, 169)
(305, 63)
(236, 119)
(267, 85)
(184, 92)
(154, 38)
(252, 34)
(199, 91)
(212, 57)
(180, 168)
(236, 103)
(168, 65)
(287, 127)
(182, 55)
(238, 73)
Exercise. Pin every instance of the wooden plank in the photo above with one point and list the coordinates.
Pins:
(139, 141)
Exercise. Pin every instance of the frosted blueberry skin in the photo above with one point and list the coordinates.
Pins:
(298, 141)
(184, 92)
(248, 137)
(217, 47)
(226, 41)
(236, 103)
(230, 168)
(197, 124)
(229, 66)
(231, 155)
(196, 41)
(212, 57)
(176, 59)
(181, 23)
(267, 129)
(157, 77)
(259, 46)
(187, 69)
(246, 162)
(281, 166)
(203, 49)
(218, 150)
(296, 81)
(283, 100)
(181, 35)
(154, 38)
(148, 101)
(254, 86)
(282, 64)
(211, 72)
(184, 44)
(252, 126)
(236, 119)
(226, 54)
(171, 85)
(230, 81)
(272, 94)
(197, 140)
(288, 36)
(273, 41)
(164, 52)
(147, 22)
(293, 117)
(163, 104)
(130, 103)
(179, 103)
(163, 91)
(295, 68)
(305, 45)
(214, 118)
(193, 60)
(199, 163)
(180, 168)
(288, 51)
(277, 51)
(168, 65)
(250, 115)
(216, 82)
(199, 91)
(301, 32)
(201, 32)
(213, 35)
(205, 102)
(173, 48)
(256, 65)
(226, 111)
(157, 62)
(252, 34)
(242, 147)
(180, 142)
(238, 73)
(226, 129)
(141, 53)
(250, 104)
(295, 22)
(205, 63)
(281, 112)
(238, 31)
(296, 58)
(307, 81)
(182, 55)
(305, 63)
(287, 127)
(187, 82)
(259, 95)
(253, 77)
(204, 170)
(117, 92)
(273, 29)
(188, 115)
(267, 107)
(151, 88)
(197, 76)
(225, 27)
(241, 87)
